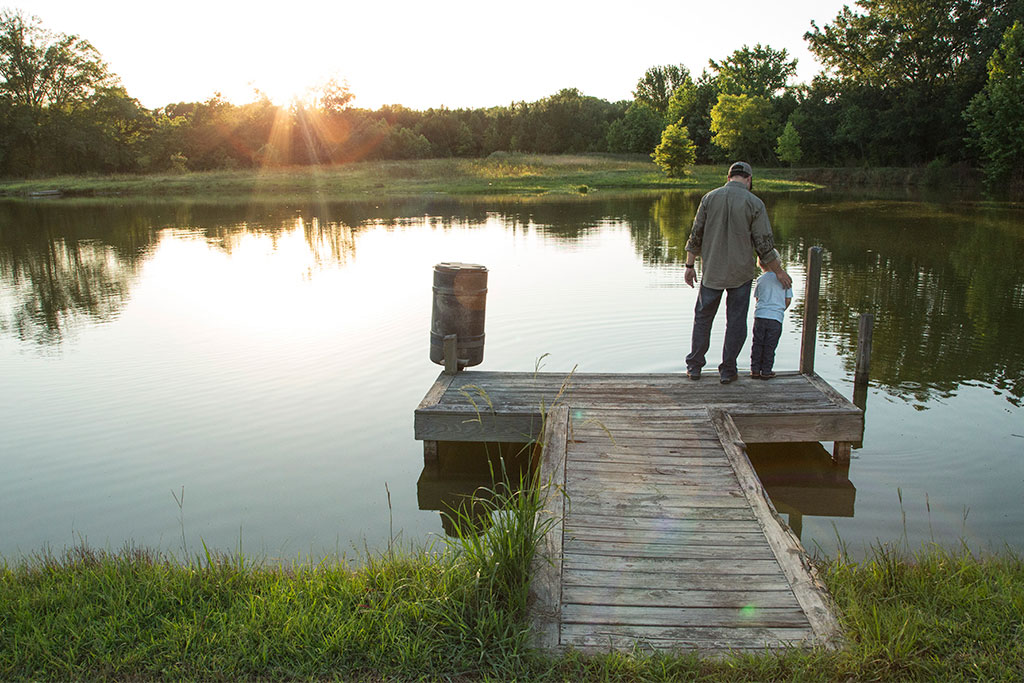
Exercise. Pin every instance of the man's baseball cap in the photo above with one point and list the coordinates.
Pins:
(740, 167)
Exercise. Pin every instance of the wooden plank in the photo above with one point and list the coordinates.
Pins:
(760, 551)
(667, 493)
(663, 566)
(693, 582)
(639, 437)
(709, 479)
(692, 448)
(652, 502)
(776, 428)
(545, 598)
(707, 640)
(829, 392)
(640, 427)
(584, 507)
(559, 381)
(436, 391)
(579, 522)
(660, 597)
(699, 468)
(431, 425)
(809, 590)
(730, 617)
(681, 396)
(750, 536)
(622, 416)
(682, 456)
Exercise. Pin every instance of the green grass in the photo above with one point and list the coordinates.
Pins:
(137, 615)
(510, 174)
(458, 613)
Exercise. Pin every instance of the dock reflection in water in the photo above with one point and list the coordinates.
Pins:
(801, 479)
(464, 475)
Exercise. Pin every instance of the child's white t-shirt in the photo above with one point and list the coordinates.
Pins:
(771, 297)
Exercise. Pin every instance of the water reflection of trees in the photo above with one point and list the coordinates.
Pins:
(943, 281)
(57, 265)
(66, 264)
(944, 284)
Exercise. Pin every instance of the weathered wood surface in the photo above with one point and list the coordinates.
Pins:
(545, 598)
(502, 406)
(659, 534)
(812, 297)
(667, 551)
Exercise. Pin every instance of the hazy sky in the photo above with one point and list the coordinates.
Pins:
(421, 54)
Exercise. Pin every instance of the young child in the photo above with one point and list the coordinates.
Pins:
(772, 302)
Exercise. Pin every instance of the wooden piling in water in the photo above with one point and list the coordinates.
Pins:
(864, 334)
(809, 336)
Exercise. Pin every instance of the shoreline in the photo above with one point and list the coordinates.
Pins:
(135, 615)
(512, 175)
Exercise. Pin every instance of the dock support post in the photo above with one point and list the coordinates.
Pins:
(809, 338)
(863, 371)
(841, 452)
(451, 360)
(430, 457)
(864, 334)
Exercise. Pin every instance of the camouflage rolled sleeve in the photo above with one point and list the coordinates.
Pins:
(761, 236)
(696, 239)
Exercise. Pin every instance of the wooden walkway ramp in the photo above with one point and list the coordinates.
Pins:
(661, 535)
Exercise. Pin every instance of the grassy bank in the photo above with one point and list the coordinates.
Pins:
(498, 174)
(458, 614)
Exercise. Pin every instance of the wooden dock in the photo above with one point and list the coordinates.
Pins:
(662, 537)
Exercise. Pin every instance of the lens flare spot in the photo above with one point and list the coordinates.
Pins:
(748, 611)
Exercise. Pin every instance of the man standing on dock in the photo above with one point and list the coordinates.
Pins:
(730, 226)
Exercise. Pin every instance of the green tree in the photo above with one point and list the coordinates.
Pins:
(566, 122)
(909, 41)
(743, 126)
(995, 116)
(656, 86)
(788, 147)
(676, 151)
(683, 103)
(637, 132)
(758, 71)
(912, 66)
(44, 69)
(403, 143)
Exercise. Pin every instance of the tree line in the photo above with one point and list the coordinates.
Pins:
(905, 83)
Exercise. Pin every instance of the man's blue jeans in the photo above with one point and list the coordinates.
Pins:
(737, 303)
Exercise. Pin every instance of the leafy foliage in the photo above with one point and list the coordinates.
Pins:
(639, 131)
(900, 74)
(744, 126)
(758, 71)
(907, 82)
(658, 83)
(44, 69)
(995, 113)
(676, 151)
(788, 147)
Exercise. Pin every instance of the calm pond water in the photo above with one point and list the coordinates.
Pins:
(265, 360)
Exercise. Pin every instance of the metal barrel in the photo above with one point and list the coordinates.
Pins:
(460, 300)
